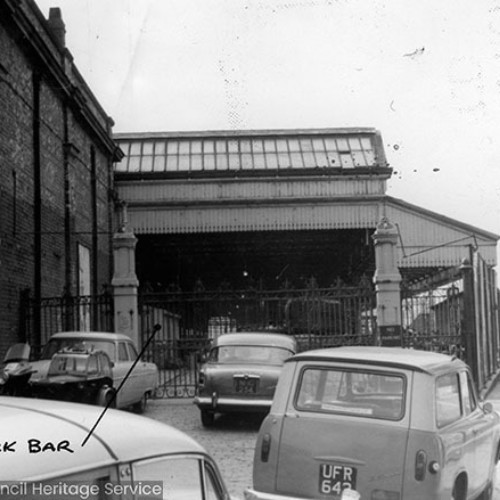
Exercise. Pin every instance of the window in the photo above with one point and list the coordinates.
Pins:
(132, 352)
(468, 393)
(92, 366)
(448, 405)
(122, 352)
(213, 487)
(352, 392)
(181, 476)
(250, 354)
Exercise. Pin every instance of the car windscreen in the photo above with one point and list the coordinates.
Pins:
(181, 477)
(68, 365)
(249, 354)
(360, 393)
(57, 344)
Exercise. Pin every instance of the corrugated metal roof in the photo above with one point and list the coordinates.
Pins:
(257, 151)
(431, 239)
(426, 239)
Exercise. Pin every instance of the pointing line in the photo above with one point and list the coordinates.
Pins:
(110, 402)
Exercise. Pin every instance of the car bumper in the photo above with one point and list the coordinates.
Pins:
(217, 403)
(251, 494)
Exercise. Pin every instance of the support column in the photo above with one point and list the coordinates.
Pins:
(125, 285)
(387, 281)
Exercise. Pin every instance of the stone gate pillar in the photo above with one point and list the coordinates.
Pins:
(387, 281)
(125, 284)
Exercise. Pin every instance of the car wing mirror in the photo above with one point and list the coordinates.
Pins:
(488, 407)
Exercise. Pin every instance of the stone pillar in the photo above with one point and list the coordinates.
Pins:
(125, 285)
(387, 281)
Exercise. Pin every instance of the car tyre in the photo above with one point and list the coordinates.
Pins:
(105, 397)
(459, 490)
(140, 406)
(207, 418)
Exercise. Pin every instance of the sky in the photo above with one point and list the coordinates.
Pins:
(426, 74)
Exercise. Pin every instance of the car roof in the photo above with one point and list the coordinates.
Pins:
(256, 338)
(91, 335)
(395, 357)
(23, 419)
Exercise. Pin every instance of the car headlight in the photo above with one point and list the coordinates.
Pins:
(10, 367)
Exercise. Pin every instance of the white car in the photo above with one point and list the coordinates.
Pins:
(141, 383)
(54, 449)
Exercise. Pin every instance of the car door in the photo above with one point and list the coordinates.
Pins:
(482, 427)
(125, 396)
(456, 430)
(139, 375)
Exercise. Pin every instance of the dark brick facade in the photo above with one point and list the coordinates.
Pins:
(56, 155)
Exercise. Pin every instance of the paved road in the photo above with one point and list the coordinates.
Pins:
(231, 441)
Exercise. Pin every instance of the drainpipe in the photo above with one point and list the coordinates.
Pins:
(37, 212)
(68, 255)
(95, 240)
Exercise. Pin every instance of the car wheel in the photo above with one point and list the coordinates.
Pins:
(105, 397)
(140, 406)
(207, 418)
(459, 490)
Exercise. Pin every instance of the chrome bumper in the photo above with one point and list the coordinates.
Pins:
(216, 402)
(251, 494)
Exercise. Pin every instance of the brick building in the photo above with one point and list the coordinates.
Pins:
(56, 179)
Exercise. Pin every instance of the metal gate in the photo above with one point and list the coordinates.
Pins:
(458, 313)
(189, 322)
(432, 314)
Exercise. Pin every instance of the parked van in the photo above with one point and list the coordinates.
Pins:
(376, 423)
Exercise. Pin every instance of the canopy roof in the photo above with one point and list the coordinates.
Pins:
(259, 151)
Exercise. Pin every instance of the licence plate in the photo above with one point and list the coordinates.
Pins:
(333, 479)
(246, 385)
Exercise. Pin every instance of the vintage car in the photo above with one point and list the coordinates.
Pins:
(376, 423)
(241, 373)
(140, 385)
(53, 449)
(77, 374)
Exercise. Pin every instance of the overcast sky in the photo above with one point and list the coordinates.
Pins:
(425, 73)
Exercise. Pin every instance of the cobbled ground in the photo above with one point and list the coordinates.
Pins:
(231, 441)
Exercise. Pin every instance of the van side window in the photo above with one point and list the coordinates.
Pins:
(469, 392)
(448, 403)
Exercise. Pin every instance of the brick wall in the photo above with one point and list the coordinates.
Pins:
(57, 258)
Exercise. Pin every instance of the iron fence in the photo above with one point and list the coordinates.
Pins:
(432, 318)
(42, 318)
(189, 322)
